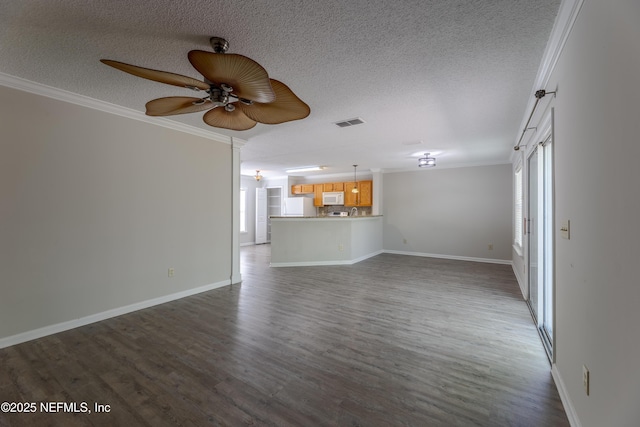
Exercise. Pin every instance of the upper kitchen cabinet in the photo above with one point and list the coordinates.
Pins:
(350, 198)
(302, 189)
(365, 189)
(362, 198)
(318, 189)
(334, 186)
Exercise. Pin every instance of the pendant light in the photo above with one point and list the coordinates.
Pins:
(257, 176)
(355, 180)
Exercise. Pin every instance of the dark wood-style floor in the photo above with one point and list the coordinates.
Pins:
(391, 341)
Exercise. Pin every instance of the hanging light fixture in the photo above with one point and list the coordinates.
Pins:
(426, 161)
(257, 176)
(355, 180)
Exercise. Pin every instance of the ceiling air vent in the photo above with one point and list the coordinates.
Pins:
(350, 122)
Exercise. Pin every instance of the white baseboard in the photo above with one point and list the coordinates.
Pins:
(574, 421)
(331, 262)
(519, 279)
(454, 257)
(71, 324)
(248, 244)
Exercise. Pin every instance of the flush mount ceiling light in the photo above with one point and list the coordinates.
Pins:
(257, 176)
(355, 180)
(305, 169)
(426, 161)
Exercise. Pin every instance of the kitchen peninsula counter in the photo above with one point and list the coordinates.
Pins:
(327, 240)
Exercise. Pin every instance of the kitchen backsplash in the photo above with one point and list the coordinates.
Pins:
(327, 210)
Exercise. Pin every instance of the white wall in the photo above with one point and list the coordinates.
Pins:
(96, 207)
(449, 212)
(595, 148)
(250, 184)
(597, 128)
(324, 241)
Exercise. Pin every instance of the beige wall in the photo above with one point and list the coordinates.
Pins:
(450, 212)
(250, 184)
(596, 152)
(96, 207)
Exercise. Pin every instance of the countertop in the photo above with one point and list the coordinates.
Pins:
(325, 217)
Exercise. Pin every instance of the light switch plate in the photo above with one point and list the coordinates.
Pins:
(565, 231)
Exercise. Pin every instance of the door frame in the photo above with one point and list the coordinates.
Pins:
(546, 218)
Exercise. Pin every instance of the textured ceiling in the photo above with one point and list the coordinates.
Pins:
(444, 76)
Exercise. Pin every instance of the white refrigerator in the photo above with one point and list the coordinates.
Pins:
(299, 206)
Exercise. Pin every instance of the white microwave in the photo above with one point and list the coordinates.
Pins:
(333, 198)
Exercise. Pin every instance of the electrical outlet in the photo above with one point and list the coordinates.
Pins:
(585, 379)
(404, 241)
(341, 247)
(171, 272)
(490, 246)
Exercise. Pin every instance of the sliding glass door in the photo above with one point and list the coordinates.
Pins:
(548, 288)
(532, 233)
(540, 246)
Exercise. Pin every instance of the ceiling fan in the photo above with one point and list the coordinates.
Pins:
(239, 92)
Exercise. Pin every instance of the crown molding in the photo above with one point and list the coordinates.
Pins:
(446, 166)
(95, 104)
(238, 143)
(566, 18)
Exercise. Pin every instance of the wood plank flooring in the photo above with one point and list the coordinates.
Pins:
(391, 341)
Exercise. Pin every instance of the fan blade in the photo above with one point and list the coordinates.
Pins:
(176, 105)
(158, 76)
(247, 78)
(285, 108)
(234, 120)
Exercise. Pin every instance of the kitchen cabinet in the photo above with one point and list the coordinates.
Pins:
(350, 198)
(318, 189)
(302, 189)
(366, 193)
(364, 196)
(334, 186)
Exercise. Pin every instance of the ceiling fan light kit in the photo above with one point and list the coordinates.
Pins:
(240, 93)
